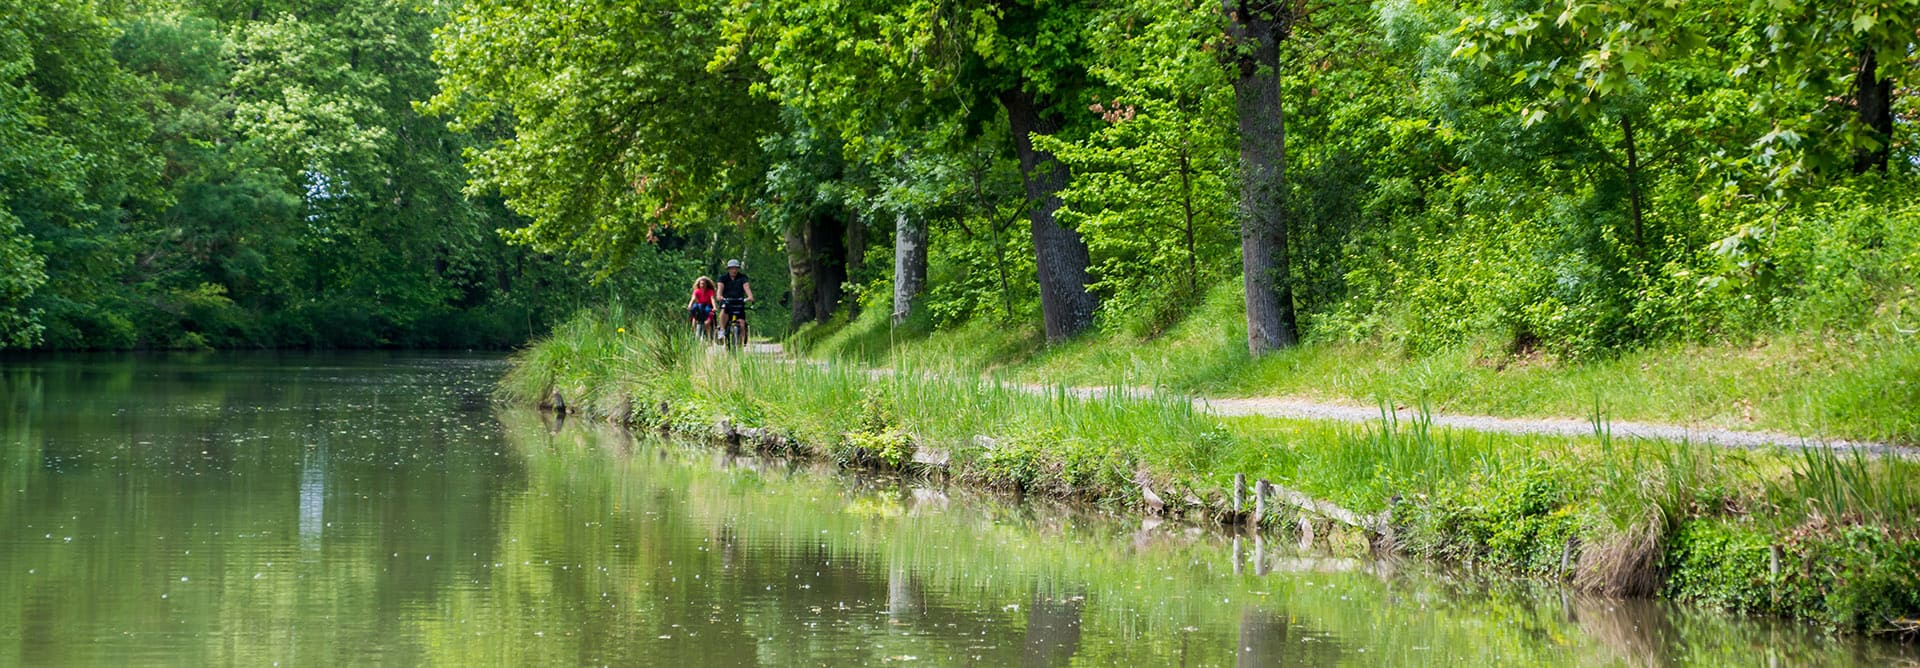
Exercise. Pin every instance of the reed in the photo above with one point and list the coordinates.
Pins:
(1615, 516)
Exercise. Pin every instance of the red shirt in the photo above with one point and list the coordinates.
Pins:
(703, 296)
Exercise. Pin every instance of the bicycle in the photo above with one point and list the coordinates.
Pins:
(703, 323)
(734, 330)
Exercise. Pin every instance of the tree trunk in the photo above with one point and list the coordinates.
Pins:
(909, 265)
(1186, 209)
(1637, 213)
(1257, 27)
(1873, 99)
(856, 258)
(1059, 254)
(800, 272)
(826, 238)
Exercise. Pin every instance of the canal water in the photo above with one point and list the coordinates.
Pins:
(360, 508)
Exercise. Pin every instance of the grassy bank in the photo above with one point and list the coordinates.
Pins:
(1858, 383)
(971, 551)
(1619, 517)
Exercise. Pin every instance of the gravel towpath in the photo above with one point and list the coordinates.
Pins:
(1294, 408)
(1303, 409)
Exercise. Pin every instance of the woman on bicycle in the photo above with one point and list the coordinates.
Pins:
(700, 307)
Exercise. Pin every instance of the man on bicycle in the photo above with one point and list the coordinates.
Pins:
(735, 293)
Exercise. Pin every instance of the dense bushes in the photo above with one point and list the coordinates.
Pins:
(1847, 576)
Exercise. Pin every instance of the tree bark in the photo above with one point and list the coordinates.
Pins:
(1256, 27)
(1637, 213)
(800, 274)
(826, 238)
(1060, 255)
(856, 258)
(1186, 209)
(909, 265)
(1873, 100)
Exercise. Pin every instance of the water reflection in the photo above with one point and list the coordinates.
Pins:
(313, 496)
(1270, 638)
(323, 510)
(1053, 627)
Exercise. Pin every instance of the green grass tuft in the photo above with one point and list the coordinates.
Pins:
(1611, 515)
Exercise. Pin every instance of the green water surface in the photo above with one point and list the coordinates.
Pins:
(378, 509)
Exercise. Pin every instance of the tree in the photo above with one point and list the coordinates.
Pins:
(1257, 27)
(878, 67)
(618, 125)
(78, 174)
(1151, 183)
(1819, 52)
(204, 173)
(25, 150)
(809, 194)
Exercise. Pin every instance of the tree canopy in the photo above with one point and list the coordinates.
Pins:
(1567, 175)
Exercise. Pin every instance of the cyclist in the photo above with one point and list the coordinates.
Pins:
(735, 293)
(700, 307)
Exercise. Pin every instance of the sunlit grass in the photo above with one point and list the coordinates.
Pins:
(1157, 588)
(1858, 384)
(598, 364)
(1595, 509)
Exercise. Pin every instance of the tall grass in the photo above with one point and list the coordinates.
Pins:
(974, 553)
(605, 358)
(1850, 384)
(1852, 486)
(1596, 509)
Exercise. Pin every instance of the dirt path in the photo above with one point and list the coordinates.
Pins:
(1294, 408)
(1287, 407)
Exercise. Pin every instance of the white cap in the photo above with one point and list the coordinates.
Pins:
(733, 264)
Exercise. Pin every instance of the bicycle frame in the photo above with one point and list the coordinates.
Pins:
(733, 322)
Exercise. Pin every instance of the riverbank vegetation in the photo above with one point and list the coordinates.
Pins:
(1695, 212)
(1817, 383)
(1620, 517)
(1157, 590)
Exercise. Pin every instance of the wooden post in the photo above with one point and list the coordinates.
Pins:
(1260, 490)
(1306, 532)
(730, 435)
(1239, 497)
(1773, 571)
(1155, 506)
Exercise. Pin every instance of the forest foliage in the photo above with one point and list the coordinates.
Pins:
(1562, 176)
(205, 173)
(1568, 177)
